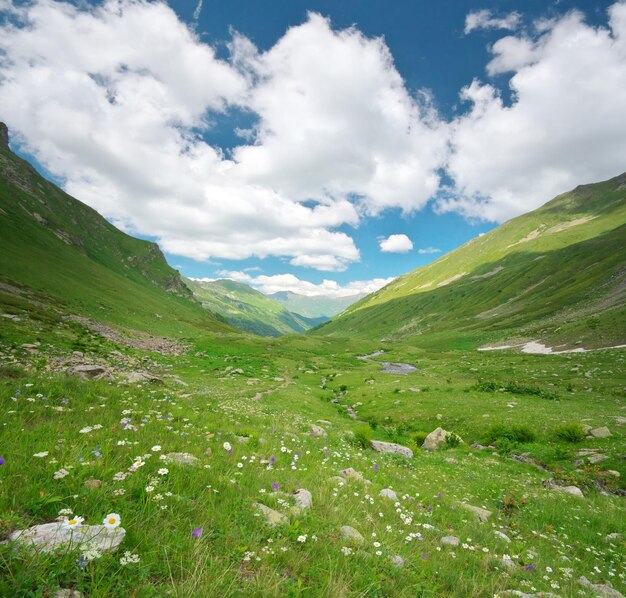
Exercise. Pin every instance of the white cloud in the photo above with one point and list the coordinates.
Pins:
(428, 250)
(566, 124)
(484, 19)
(396, 244)
(113, 98)
(288, 282)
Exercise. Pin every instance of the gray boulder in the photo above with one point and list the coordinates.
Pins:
(389, 493)
(602, 432)
(482, 514)
(450, 541)
(390, 447)
(303, 498)
(349, 533)
(272, 517)
(436, 439)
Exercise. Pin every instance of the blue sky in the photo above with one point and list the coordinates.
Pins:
(471, 112)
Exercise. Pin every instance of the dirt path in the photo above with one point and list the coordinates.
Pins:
(259, 395)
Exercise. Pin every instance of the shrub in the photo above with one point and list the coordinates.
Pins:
(452, 441)
(363, 436)
(570, 432)
(513, 433)
(419, 437)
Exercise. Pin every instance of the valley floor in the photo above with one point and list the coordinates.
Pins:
(262, 420)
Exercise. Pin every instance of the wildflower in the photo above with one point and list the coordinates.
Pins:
(60, 474)
(119, 492)
(149, 488)
(196, 533)
(346, 551)
(275, 486)
(129, 558)
(41, 454)
(531, 567)
(163, 471)
(239, 465)
(74, 523)
(1, 460)
(111, 521)
(302, 539)
(91, 554)
(227, 446)
(379, 552)
(156, 448)
(66, 512)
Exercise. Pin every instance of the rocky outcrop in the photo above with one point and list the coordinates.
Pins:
(436, 439)
(4, 136)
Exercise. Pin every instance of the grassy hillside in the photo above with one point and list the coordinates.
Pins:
(248, 309)
(62, 251)
(314, 307)
(557, 274)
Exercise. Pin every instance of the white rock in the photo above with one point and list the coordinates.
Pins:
(318, 431)
(502, 536)
(450, 541)
(51, 536)
(397, 560)
(602, 432)
(349, 533)
(436, 439)
(593, 459)
(180, 458)
(389, 493)
(482, 514)
(390, 447)
(303, 498)
(573, 490)
(272, 517)
(67, 593)
(600, 589)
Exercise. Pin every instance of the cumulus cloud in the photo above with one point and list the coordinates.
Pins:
(428, 250)
(396, 244)
(566, 123)
(484, 19)
(123, 126)
(288, 282)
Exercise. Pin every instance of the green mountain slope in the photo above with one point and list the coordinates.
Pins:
(248, 309)
(64, 252)
(555, 274)
(314, 307)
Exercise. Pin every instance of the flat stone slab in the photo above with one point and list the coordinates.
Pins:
(390, 447)
(51, 536)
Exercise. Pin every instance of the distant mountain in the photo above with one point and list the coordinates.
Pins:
(556, 274)
(65, 252)
(248, 309)
(314, 307)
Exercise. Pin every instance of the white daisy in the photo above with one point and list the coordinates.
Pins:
(111, 521)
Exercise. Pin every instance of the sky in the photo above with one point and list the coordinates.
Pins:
(318, 147)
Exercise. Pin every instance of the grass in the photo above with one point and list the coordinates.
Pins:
(238, 554)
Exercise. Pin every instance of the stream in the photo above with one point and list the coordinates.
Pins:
(389, 367)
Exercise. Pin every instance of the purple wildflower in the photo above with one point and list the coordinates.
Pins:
(531, 567)
(272, 459)
(1, 460)
(376, 467)
(196, 533)
(275, 486)
(425, 556)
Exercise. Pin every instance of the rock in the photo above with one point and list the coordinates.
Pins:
(140, 377)
(397, 560)
(602, 432)
(273, 518)
(30, 347)
(317, 431)
(324, 422)
(242, 439)
(303, 498)
(390, 447)
(4, 136)
(585, 452)
(593, 459)
(586, 428)
(508, 563)
(438, 416)
(482, 514)
(600, 589)
(436, 439)
(612, 472)
(51, 536)
(180, 458)
(389, 493)
(502, 536)
(573, 490)
(236, 372)
(352, 474)
(614, 537)
(450, 541)
(92, 484)
(479, 447)
(450, 460)
(349, 533)
(67, 593)
(90, 371)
